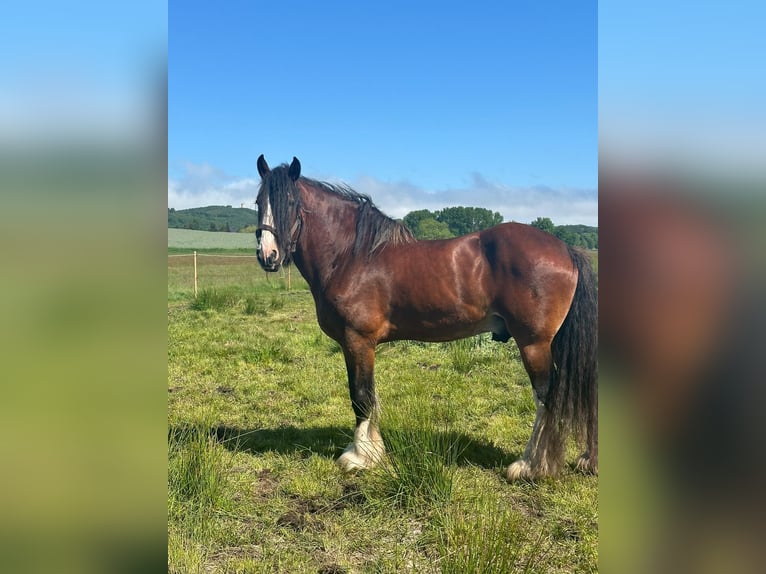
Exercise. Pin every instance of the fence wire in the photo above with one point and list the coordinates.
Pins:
(210, 255)
(240, 272)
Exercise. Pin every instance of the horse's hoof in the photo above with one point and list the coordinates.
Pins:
(587, 465)
(349, 461)
(519, 470)
(365, 451)
(361, 457)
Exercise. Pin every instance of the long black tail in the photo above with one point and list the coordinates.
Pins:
(573, 391)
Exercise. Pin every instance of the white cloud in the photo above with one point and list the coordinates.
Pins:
(524, 204)
(202, 184)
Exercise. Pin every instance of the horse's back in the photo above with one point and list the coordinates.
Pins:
(518, 242)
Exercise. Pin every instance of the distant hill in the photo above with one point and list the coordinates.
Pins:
(213, 218)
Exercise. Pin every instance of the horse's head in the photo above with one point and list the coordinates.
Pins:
(279, 217)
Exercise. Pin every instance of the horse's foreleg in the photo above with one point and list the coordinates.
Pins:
(544, 454)
(367, 448)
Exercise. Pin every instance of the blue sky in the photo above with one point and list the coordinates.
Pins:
(419, 104)
(82, 69)
(683, 82)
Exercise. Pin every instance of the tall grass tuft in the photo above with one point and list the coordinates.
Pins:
(255, 305)
(270, 352)
(465, 354)
(185, 555)
(277, 302)
(462, 354)
(214, 299)
(196, 468)
(422, 455)
(487, 537)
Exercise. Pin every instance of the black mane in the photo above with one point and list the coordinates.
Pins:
(374, 229)
(285, 204)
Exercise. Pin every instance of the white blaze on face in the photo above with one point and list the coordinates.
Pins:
(268, 245)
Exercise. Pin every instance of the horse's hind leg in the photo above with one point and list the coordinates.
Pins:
(544, 454)
(588, 461)
(367, 448)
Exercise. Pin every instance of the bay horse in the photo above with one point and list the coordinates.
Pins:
(373, 282)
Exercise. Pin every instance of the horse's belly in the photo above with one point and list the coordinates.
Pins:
(435, 327)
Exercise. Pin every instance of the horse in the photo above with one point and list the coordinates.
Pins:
(373, 282)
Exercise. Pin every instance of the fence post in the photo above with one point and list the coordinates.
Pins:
(195, 274)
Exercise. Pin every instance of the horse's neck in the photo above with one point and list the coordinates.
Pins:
(322, 245)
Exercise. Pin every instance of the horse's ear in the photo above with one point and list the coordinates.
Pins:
(263, 167)
(295, 169)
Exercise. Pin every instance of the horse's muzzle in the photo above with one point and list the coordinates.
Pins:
(269, 263)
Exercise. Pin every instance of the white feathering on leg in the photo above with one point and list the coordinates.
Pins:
(366, 451)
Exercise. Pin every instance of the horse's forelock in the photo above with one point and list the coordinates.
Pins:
(282, 194)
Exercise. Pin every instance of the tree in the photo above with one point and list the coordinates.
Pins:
(545, 224)
(432, 229)
(456, 221)
(567, 236)
(413, 219)
(463, 220)
(590, 240)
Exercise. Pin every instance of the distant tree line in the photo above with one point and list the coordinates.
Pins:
(450, 221)
(425, 224)
(577, 235)
(456, 221)
(214, 218)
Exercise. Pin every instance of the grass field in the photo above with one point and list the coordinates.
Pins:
(189, 239)
(258, 410)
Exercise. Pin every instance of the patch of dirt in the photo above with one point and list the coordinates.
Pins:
(304, 515)
(266, 483)
(528, 507)
(567, 530)
(352, 496)
(429, 366)
(292, 519)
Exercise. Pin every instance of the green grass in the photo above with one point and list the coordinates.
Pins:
(215, 299)
(197, 468)
(258, 410)
(422, 456)
(190, 239)
(483, 536)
